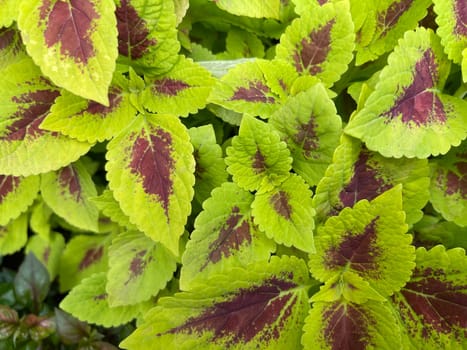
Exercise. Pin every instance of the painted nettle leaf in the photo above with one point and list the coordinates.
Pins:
(432, 306)
(258, 9)
(357, 173)
(225, 236)
(449, 185)
(8, 13)
(25, 100)
(262, 306)
(14, 235)
(150, 170)
(258, 159)
(320, 42)
(109, 206)
(74, 42)
(408, 114)
(309, 124)
(47, 251)
(11, 46)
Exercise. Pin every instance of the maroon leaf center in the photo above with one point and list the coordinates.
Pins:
(280, 203)
(389, 19)
(69, 180)
(460, 10)
(91, 256)
(169, 87)
(306, 137)
(7, 185)
(255, 92)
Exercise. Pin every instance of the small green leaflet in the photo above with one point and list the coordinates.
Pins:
(89, 302)
(320, 42)
(380, 24)
(255, 87)
(241, 43)
(224, 236)
(14, 235)
(147, 35)
(16, 195)
(258, 159)
(48, 252)
(83, 256)
(9, 12)
(74, 42)
(11, 46)
(25, 100)
(67, 192)
(348, 326)
(150, 170)
(182, 90)
(138, 268)
(40, 222)
(110, 208)
(286, 214)
(432, 230)
(210, 171)
(309, 124)
(368, 240)
(261, 306)
(90, 121)
(257, 9)
(407, 114)
(449, 185)
(357, 173)
(433, 304)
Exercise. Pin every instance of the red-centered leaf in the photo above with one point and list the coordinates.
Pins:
(386, 20)
(7, 185)
(460, 10)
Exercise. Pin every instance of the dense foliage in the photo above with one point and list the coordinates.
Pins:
(197, 174)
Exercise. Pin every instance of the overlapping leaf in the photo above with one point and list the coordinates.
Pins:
(255, 87)
(286, 214)
(224, 236)
(40, 222)
(407, 114)
(368, 240)
(16, 195)
(89, 302)
(309, 124)
(433, 230)
(110, 208)
(138, 268)
(74, 42)
(258, 9)
(320, 42)
(241, 43)
(348, 326)
(150, 171)
(259, 307)
(357, 174)
(433, 304)
(147, 35)
(258, 159)
(13, 236)
(25, 100)
(11, 48)
(67, 192)
(182, 90)
(48, 252)
(9, 12)
(379, 24)
(449, 185)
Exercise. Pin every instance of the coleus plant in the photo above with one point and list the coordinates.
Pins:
(242, 175)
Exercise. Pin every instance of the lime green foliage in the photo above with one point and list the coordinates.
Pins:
(260, 8)
(14, 235)
(47, 251)
(110, 208)
(19, 193)
(9, 12)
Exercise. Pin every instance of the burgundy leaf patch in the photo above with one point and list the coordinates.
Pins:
(255, 92)
(280, 203)
(133, 32)
(69, 24)
(96, 108)
(389, 19)
(7, 36)
(151, 159)
(456, 183)
(460, 9)
(7, 185)
(68, 178)
(306, 136)
(138, 265)
(259, 162)
(233, 234)
(249, 312)
(314, 50)
(92, 256)
(417, 104)
(169, 87)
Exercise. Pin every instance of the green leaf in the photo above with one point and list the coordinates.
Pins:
(14, 235)
(258, 9)
(256, 87)
(138, 268)
(210, 171)
(9, 12)
(48, 252)
(344, 325)
(110, 208)
(380, 24)
(74, 43)
(258, 159)
(309, 124)
(408, 105)
(182, 90)
(432, 306)
(286, 214)
(89, 302)
(240, 43)
(11, 47)
(147, 35)
(368, 240)
(259, 307)
(357, 173)
(25, 100)
(40, 222)
(449, 185)
(224, 236)
(67, 192)
(320, 42)
(431, 230)
(16, 195)
(83, 256)
(89, 121)
(150, 171)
